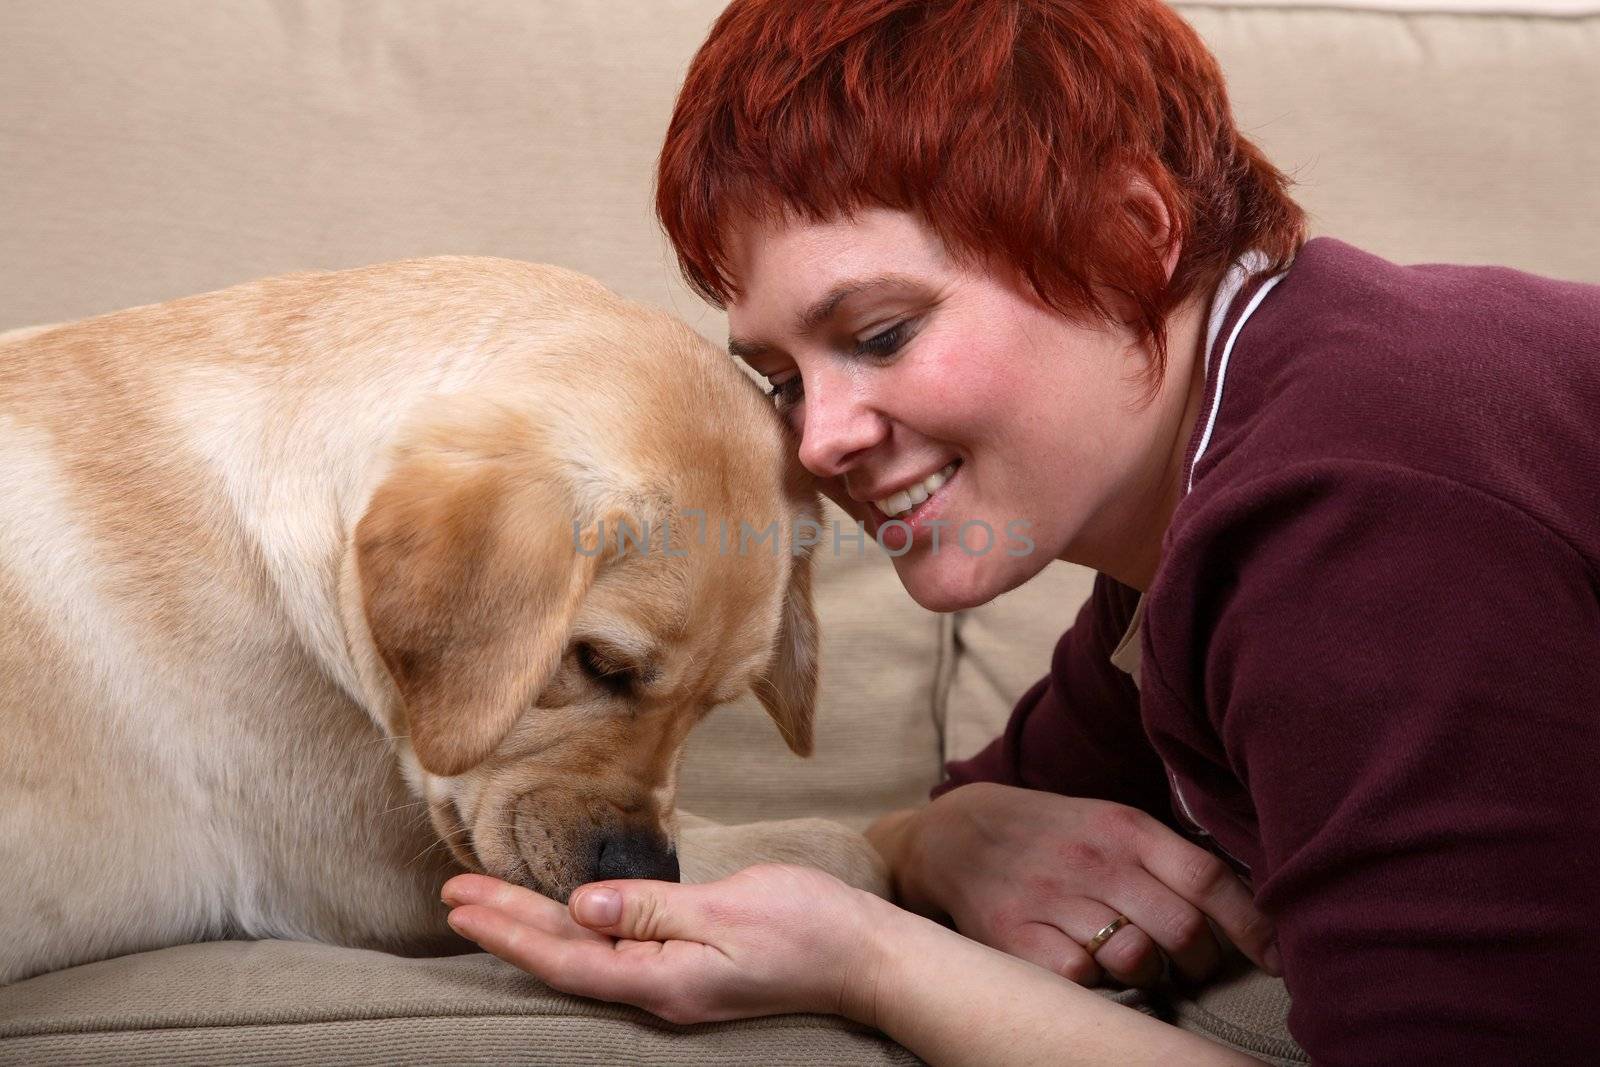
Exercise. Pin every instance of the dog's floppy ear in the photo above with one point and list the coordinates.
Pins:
(470, 580)
(788, 690)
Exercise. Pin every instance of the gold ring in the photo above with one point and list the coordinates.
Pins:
(1105, 933)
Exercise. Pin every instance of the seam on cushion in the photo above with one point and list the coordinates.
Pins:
(1543, 10)
(944, 668)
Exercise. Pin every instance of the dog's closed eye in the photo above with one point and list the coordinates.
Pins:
(617, 678)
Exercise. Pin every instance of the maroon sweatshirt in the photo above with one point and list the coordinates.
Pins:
(1370, 657)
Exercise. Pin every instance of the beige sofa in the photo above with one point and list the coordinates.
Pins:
(152, 148)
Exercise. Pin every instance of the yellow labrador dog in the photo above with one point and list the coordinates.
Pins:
(312, 594)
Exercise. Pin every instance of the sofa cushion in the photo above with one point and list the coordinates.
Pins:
(295, 1003)
(1427, 130)
(1241, 1007)
(1002, 648)
(288, 1002)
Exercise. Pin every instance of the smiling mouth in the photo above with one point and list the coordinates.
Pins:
(907, 503)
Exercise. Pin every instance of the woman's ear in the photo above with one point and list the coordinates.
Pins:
(1148, 210)
(470, 580)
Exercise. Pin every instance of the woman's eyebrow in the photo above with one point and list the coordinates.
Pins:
(820, 311)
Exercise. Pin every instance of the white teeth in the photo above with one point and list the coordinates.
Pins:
(907, 499)
(933, 481)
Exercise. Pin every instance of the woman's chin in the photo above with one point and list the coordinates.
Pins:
(955, 581)
(945, 586)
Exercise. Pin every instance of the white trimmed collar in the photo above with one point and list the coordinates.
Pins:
(1244, 268)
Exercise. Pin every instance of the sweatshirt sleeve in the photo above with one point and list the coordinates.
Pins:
(1405, 673)
(1077, 731)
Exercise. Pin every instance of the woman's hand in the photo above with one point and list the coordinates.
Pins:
(767, 940)
(1037, 875)
(777, 939)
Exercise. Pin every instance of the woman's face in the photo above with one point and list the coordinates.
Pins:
(996, 433)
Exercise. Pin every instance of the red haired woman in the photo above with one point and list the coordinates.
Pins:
(1333, 698)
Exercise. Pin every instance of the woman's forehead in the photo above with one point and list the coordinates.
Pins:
(791, 268)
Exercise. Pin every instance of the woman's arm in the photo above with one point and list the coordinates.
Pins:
(1405, 671)
(955, 1002)
(776, 939)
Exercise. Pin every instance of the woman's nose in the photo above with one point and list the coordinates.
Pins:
(839, 424)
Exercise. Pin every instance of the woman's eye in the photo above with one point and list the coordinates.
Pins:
(787, 393)
(886, 342)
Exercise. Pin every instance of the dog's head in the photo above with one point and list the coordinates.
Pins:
(561, 581)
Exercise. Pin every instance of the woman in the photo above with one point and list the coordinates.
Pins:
(1011, 262)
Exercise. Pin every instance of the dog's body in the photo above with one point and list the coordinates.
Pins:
(293, 625)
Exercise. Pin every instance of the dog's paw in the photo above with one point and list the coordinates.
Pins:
(708, 851)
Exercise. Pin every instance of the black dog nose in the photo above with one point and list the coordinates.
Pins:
(635, 854)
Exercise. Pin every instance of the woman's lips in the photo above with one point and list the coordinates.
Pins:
(898, 538)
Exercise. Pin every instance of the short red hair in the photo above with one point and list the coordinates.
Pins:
(1011, 126)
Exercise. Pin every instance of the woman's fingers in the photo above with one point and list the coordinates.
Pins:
(644, 950)
(642, 910)
(658, 977)
(523, 905)
(587, 967)
(1206, 882)
(1129, 955)
(1161, 926)
(1047, 945)
(1177, 927)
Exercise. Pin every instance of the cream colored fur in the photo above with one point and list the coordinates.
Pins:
(290, 608)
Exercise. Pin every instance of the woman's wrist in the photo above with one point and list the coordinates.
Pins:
(890, 987)
(955, 1002)
(870, 960)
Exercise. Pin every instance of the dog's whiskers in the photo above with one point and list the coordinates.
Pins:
(402, 807)
(455, 835)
